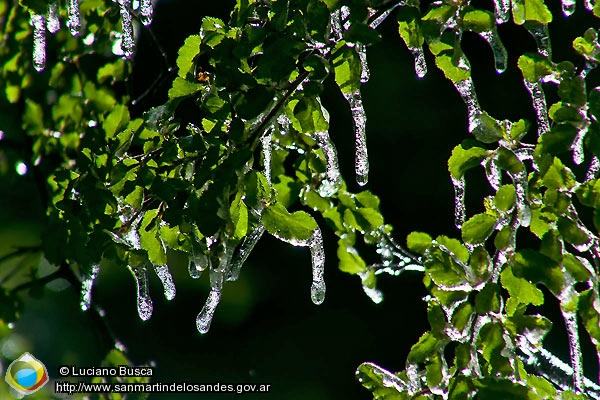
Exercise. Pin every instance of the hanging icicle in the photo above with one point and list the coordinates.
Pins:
(330, 186)
(459, 201)
(523, 209)
(86, 287)
(53, 23)
(568, 7)
(502, 10)
(420, 63)
(127, 42)
(74, 20)
(359, 117)
(542, 38)
(466, 89)
(365, 73)
(267, 152)
(539, 104)
(244, 251)
(498, 49)
(317, 253)
(146, 12)
(39, 41)
(205, 316)
(144, 302)
(163, 273)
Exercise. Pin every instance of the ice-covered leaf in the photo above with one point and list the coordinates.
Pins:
(534, 66)
(409, 26)
(150, 238)
(488, 299)
(530, 11)
(309, 115)
(347, 68)
(505, 197)
(538, 268)
(520, 290)
(558, 176)
(350, 260)
(239, 216)
(478, 228)
(463, 159)
(426, 345)
(297, 226)
(418, 242)
(478, 20)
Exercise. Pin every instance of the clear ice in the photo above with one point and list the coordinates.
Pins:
(593, 169)
(127, 43)
(542, 38)
(359, 117)
(146, 11)
(334, 179)
(539, 104)
(39, 41)
(267, 153)
(74, 20)
(205, 316)
(493, 174)
(570, 319)
(162, 271)
(523, 210)
(53, 23)
(589, 4)
(502, 9)
(459, 201)
(577, 147)
(244, 251)
(466, 89)
(86, 287)
(144, 302)
(420, 63)
(365, 74)
(568, 7)
(498, 49)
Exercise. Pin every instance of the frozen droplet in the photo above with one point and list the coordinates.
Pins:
(502, 9)
(577, 147)
(144, 302)
(146, 11)
(593, 169)
(493, 173)
(21, 168)
(330, 186)
(365, 74)
(523, 209)
(459, 201)
(127, 43)
(39, 41)
(162, 271)
(498, 49)
(267, 153)
(568, 7)
(542, 38)
(539, 104)
(53, 23)
(466, 89)
(205, 316)
(317, 290)
(360, 125)
(86, 287)
(244, 251)
(420, 63)
(74, 19)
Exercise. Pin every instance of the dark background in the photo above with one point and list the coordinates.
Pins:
(266, 329)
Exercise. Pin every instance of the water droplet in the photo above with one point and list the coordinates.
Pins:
(162, 271)
(127, 43)
(146, 11)
(21, 168)
(144, 302)
(589, 4)
(86, 287)
(53, 24)
(74, 20)
(39, 41)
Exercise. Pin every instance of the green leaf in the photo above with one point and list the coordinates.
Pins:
(558, 140)
(588, 312)
(426, 345)
(489, 299)
(491, 341)
(36, 6)
(409, 26)
(116, 121)
(478, 228)
(347, 68)
(462, 316)
(572, 233)
(298, 226)
(350, 260)
(33, 118)
(520, 290)
(150, 239)
(505, 197)
(453, 70)
(534, 66)
(572, 91)
(309, 115)
(538, 268)
(530, 11)
(588, 193)
(418, 242)
(558, 176)
(183, 88)
(519, 129)
(186, 55)
(455, 247)
(239, 216)
(594, 102)
(486, 129)
(462, 160)
(575, 268)
(478, 21)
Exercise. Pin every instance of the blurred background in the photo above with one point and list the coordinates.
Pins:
(266, 329)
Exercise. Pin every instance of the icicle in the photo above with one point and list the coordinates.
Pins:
(420, 63)
(493, 174)
(524, 212)
(365, 74)
(459, 201)
(589, 4)
(498, 49)
(577, 147)
(144, 302)
(244, 251)
(360, 120)
(267, 150)
(74, 21)
(198, 263)
(374, 294)
(330, 186)
(466, 90)
(574, 348)
(146, 11)
(539, 104)
(568, 7)
(53, 24)
(377, 21)
(542, 38)
(388, 379)
(86, 287)
(317, 290)
(593, 169)
(205, 316)
(127, 43)
(162, 271)
(39, 41)
(502, 9)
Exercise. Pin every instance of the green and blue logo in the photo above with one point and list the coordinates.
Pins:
(26, 374)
